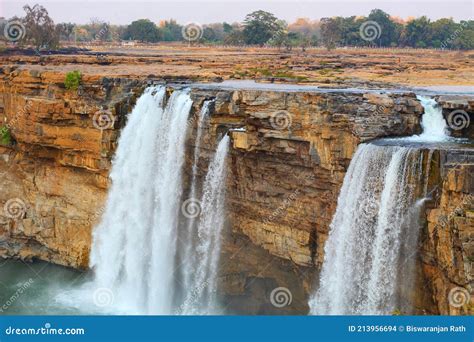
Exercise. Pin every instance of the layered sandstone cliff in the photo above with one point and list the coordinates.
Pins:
(290, 153)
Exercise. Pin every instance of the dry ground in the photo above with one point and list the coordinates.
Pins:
(336, 68)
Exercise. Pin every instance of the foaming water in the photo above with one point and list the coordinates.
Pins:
(201, 293)
(142, 261)
(433, 124)
(134, 246)
(188, 243)
(373, 233)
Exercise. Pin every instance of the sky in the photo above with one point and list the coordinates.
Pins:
(204, 12)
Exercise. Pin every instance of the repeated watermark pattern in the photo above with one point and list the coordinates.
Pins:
(281, 297)
(15, 208)
(458, 296)
(370, 30)
(103, 297)
(458, 119)
(14, 297)
(14, 30)
(281, 120)
(192, 32)
(191, 208)
(103, 119)
(454, 35)
(444, 220)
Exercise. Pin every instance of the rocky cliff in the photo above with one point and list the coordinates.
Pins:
(290, 153)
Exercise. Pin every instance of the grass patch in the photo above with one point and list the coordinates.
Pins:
(5, 136)
(73, 80)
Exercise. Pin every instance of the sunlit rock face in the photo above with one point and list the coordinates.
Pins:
(289, 152)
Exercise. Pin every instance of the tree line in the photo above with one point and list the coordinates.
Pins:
(260, 28)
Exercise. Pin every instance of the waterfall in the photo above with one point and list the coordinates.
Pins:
(432, 122)
(203, 265)
(134, 246)
(146, 259)
(188, 241)
(373, 234)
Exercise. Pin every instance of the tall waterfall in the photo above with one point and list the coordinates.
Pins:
(373, 234)
(139, 253)
(188, 242)
(203, 265)
(134, 246)
(371, 248)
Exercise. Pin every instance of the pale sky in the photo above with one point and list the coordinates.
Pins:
(204, 12)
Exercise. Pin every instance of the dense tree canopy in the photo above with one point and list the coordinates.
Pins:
(142, 30)
(378, 29)
(260, 26)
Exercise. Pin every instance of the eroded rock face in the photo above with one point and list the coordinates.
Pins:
(290, 153)
(290, 156)
(447, 248)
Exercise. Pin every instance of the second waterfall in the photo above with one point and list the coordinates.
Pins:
(135, 250)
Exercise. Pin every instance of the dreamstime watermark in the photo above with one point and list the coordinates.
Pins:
(370, 30)
(103, 297)
(458, 296)
(370, 207)
(103, 119)
(458, 119)
(14, 297)
(191, 208)
(14, 208)
(281, 297)
(444, 220)
(189, 306)
(102, 32)
(46, 330)
(281, 120)
(192, 32)
(286, 203)
(14, 30)
(22, 112)
(454, 35)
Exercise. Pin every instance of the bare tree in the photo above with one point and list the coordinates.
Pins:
(40, 28)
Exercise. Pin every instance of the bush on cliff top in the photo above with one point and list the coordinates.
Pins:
(73, 80)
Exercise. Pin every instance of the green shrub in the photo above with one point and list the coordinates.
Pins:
(73, 80)
(5, 135)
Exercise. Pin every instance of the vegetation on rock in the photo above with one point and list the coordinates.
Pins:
(5, 135)
(73, 80)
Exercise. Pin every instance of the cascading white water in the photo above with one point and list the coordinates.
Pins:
(188, 240)
(374, 231)
(432, 122)
(367, 246)
(200, 295)
(134, 247)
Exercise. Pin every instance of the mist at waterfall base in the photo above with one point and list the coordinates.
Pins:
(370, 253)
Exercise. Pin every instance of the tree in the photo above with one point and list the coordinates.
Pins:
(389, 30)
(143, 30)
(464, 35)
(227, 27)
(236, 37)
(66, 31)
(209, 34)
(260, 26)
(417, 32)
(40, 28)
(99, 30)
(331, 33)
(171, 30)
(441, 31)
